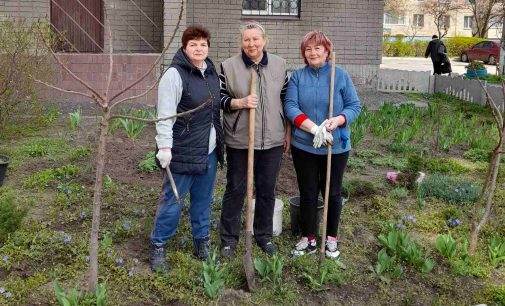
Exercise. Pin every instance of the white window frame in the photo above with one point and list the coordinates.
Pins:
(466, 20)
(269, 11)
(400, 19)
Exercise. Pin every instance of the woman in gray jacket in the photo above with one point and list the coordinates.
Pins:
(271, 135)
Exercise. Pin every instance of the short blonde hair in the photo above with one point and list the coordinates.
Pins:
(253, 25)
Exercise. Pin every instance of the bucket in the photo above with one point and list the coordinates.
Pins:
(4, 162)
(294, 206)
(277, 219)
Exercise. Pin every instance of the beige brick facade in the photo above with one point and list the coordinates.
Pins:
(355, 28)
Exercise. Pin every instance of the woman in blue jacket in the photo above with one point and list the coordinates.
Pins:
(306, 107)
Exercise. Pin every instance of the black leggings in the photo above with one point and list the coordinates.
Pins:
(311, 175)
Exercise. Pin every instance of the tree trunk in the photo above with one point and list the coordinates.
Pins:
(487, 199)
(97, 202)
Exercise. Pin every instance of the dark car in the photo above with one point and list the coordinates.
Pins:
(486, 51)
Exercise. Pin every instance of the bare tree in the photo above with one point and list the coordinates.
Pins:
(486, 13)
(440, 10)
(395, 7)
(107, 103)
(482, 210)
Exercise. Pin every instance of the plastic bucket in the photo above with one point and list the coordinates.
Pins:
(294, 210)
(4, 162)
(472, 74)
(277, 218)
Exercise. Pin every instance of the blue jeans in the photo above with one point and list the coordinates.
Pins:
(200, 188)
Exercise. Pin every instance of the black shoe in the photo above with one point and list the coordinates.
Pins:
(157, 260)
(268, 247)
(227, 251)
(202, 247)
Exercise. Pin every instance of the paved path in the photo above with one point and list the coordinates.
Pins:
(424, 64)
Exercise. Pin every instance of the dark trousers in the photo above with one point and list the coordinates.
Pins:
(437, 67)
(266, 169)
(311, 175)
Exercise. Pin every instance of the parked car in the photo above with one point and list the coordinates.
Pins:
(487, 51)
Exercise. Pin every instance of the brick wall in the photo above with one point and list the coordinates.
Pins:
(31, 10)
(120, 14)
(126, 20)
(355, 27)
(94, 69)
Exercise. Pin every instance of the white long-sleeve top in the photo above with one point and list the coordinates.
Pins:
(169, 96)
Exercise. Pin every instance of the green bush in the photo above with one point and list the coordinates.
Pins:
(452, 190)
(456, 45)
(22, 54)
(11, 216)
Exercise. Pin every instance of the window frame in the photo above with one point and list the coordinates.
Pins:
(268, 12)
(415, 21)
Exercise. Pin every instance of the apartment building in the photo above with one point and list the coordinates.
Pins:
(415, 23)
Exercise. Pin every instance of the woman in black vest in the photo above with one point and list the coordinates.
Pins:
(190, 145)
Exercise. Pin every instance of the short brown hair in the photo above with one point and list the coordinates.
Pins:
(195, 32)
(318, 38)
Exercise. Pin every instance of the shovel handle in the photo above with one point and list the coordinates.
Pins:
(250, 155)
(172, 183)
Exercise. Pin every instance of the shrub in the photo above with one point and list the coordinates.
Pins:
(456, 45)
(445, 165)
(477, 155)
(452, 190)
(22, 55)
(10, 215)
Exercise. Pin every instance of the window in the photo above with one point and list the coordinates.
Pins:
(468, 22)
(445, 21)
(390, 19)
(479, 45)
(271, 7)
(418, 20)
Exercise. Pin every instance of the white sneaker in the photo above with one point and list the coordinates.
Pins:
(332, 248)
(304, 246)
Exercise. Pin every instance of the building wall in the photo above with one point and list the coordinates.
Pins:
(355, 27)
(30, 10)
(456, 26)
(123, 16)
(126, 20)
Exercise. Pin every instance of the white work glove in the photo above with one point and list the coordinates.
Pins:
(321, 135)
(164, 156)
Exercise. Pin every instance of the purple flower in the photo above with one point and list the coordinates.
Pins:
(119, 262)
(67, 239)
(5, 258)
(2, 290)
(409, 218)
(127, 225)
(400, 226)
(8, 294)
(83, 215)
(131, 272)
(453, 222)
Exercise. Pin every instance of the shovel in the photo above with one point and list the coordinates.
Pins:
(328, 165)
(248, 261)
(172, 183)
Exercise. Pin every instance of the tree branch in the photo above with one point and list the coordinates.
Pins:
(65, 90)
(209, 100)
(58, 60)
(494, 108)
(157, 60)
(111, 64)
(149, 89)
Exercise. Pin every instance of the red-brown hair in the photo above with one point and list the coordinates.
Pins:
(317, 38)
(195, 32)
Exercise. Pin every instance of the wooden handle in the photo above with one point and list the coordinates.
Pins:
(328, 163)
(250, 155)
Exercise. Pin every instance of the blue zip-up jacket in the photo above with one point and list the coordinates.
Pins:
(308, 93)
